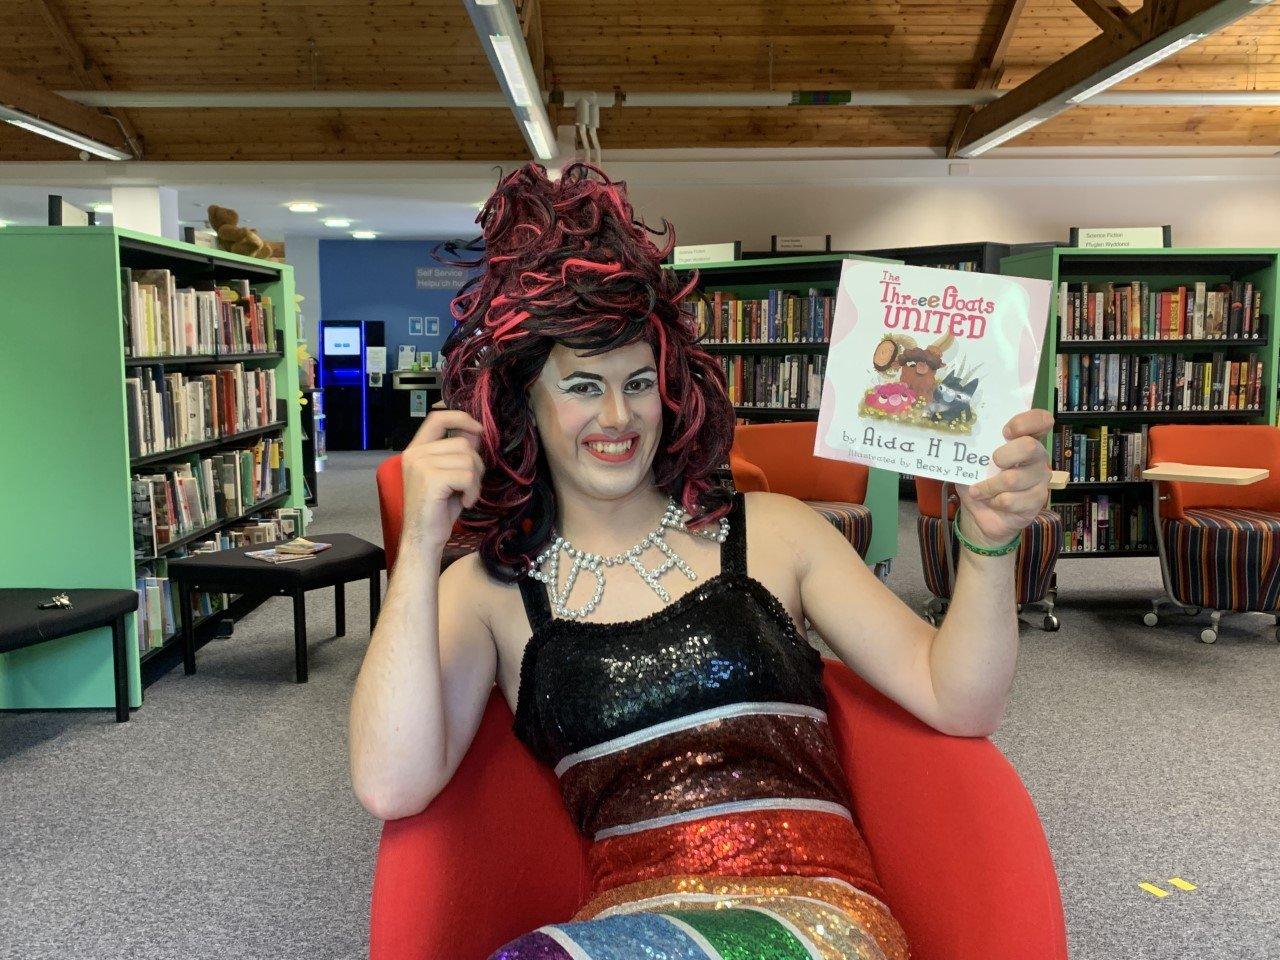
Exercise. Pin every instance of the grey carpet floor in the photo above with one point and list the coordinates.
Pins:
(219, 822)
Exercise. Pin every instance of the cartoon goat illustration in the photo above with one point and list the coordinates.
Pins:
(953, 397)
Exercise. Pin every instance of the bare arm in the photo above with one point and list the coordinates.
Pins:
(431, 661)
(956, 678)
(865, 623)
(973, 658)
(422, 688)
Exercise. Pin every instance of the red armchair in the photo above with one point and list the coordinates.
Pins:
(955, 838)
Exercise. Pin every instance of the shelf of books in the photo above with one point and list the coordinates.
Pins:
(1137, 337)
(149, 393)
(769, 321)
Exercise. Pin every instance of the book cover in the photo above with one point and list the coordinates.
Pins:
(927, 365)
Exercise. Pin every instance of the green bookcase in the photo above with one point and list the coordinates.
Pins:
(65, 519)
(1161, 269)
(753, 279)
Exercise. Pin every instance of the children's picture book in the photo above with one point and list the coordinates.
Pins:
(926, 366)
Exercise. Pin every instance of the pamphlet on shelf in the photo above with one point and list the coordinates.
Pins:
(927, 365)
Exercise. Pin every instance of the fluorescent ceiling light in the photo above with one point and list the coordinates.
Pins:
(304, 206)
(511, 71)
(997, 139)
(337, 222)
(363, 234)
(540, 144)
(4, 223)
(494, 3)
(1137, 67)
(101, 208)
(54, 132)
(499, 31)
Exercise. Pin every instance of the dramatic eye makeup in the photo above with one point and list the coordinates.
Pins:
(639, 380)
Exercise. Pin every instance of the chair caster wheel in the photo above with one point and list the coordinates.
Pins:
(1150, 619)
(1052, 623)
(1019, 608)
(931, 619)
(1196, 611)
(1208, 635)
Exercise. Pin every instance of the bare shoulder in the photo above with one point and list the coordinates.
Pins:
(775, 506)
(778, 519)
(777, 513)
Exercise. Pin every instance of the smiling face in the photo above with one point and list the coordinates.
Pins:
(580, 403)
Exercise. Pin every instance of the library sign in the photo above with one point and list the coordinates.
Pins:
(439, 278)
(1121, 238)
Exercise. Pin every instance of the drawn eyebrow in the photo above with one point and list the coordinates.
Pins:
(595, 376)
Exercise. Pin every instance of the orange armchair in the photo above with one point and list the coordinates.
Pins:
(1218, 539)
(1035, 573)
(778, 457)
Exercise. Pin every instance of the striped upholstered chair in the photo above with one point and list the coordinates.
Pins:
(778, 457)
(1219, 543)
(940, 552)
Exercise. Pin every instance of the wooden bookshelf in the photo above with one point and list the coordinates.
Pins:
(64, 441)
(752, 280)
(1161, 269)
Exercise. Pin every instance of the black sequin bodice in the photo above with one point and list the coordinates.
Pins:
(728, 641)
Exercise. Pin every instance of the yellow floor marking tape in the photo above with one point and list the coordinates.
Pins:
(1152, 889)
(1181, 884)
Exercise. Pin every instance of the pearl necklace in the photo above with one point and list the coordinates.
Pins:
(675, 517)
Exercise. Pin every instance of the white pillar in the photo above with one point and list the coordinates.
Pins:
(151, 210)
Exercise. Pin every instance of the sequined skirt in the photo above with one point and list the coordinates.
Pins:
(721, 918)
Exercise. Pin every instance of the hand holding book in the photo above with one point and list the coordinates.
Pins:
(995, 510)
(926, 365)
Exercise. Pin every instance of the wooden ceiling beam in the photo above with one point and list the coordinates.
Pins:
(1043, 95)
(987, 74)
(1159, 15)
(1111, 16)
(86, 71)
(36, 101)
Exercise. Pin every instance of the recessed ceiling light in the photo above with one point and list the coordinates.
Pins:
(102, 208)
(4, 223)
(304, 206)
(363, 234)
(338, 222)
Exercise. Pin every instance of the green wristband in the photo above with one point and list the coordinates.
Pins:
(999, 551)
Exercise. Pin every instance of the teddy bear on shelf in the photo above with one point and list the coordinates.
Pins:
(234, 238)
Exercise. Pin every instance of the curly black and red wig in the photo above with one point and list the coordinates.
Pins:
(566, 261)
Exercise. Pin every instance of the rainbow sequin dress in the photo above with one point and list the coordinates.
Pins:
(692, 747)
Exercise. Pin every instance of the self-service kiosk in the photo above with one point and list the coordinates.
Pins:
(353, 375)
